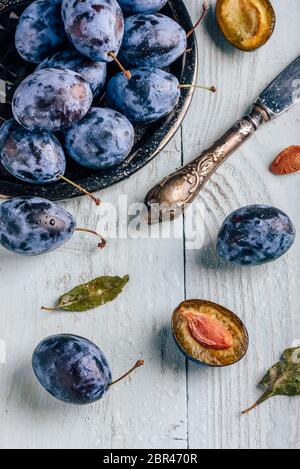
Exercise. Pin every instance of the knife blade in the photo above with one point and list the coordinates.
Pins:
(168, 199)
(283, 92)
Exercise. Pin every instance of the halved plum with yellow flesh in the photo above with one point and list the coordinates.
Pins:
(209, 333)
(246, 24)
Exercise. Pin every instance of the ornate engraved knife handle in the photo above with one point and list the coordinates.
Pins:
(170, 197)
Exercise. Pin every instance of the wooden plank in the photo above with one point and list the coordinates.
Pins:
(266, 298)
(149, 409)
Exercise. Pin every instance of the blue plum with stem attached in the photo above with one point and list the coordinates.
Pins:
(255, 234)
(150, 94)
(51, 100)
(153, 40)
(101, 140)
(33, 225)
(34, 157)
(131, 7)
(72, 369)
(40, 31)
(95, 27)
(94, 72)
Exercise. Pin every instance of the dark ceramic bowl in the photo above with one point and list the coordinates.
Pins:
(150, 139)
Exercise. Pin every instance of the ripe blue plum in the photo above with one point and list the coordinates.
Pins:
(101, 140)
(255, 234)
(40, 31)
(95, 27)
(92, 71)
(153, 40)
(131, 7)
(150, 94)
(34, 157)
(32, 225)
(71, 368)
(51, 100)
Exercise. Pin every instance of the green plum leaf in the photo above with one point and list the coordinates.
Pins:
(283, 379)
(90, 295)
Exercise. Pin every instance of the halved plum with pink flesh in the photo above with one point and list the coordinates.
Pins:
(209, 333)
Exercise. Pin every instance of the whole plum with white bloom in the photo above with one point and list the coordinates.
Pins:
(131, 7)
(40, 31)
(101, 140)
(51, 100)
(72, 369)
(92, 71)
(34, 157)
(150, 94)
(152, 41)
(95, 27)
(33, 225)
(255, 234)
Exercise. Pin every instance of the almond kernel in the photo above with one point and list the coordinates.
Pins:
(287, 162)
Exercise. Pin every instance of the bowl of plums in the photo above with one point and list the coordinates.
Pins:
(90, 90)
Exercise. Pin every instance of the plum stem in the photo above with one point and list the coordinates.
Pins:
(137, 365)
(102, 97)
(81, 189)
(103, 241)
(127, 73)
(7, 70)
(204, 12)
(213, 89)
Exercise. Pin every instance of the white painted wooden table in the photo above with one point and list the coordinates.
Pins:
(169, 403)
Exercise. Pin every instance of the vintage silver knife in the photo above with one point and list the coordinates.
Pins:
(176, 192)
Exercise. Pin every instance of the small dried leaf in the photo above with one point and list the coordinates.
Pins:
(287, 162)
(95, 293)
(209, 332)
(283, 379)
